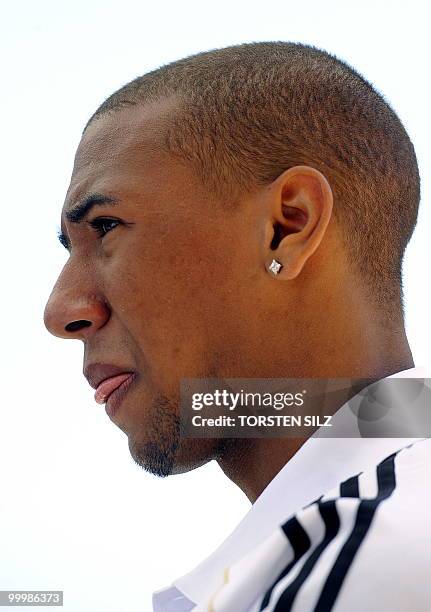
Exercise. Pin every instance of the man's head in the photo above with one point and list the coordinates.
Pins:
(208, 169)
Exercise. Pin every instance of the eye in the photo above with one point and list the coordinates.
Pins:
(103, 225)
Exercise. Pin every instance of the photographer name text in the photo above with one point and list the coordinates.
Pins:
(276, 420)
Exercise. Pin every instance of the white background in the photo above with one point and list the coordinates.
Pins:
(76, 513)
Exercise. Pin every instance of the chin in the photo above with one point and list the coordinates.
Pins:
(178, 457)
(155, 443)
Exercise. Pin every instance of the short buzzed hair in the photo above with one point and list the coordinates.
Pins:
(248, 112)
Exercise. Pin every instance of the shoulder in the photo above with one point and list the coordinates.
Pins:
(366, 544)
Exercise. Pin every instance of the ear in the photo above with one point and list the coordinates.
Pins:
(298, 209)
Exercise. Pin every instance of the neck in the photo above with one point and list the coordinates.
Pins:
(252, 463)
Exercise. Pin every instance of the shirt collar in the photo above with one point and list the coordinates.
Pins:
(319, 465)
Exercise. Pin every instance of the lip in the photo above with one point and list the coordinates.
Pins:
(97, 372)
(116, 397)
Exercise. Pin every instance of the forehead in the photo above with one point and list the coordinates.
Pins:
(122, 152)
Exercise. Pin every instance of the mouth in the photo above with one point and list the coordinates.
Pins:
(111, 383)
(111, 391)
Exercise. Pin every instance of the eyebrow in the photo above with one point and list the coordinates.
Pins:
(81, 210)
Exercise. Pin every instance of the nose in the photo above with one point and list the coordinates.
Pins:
(75, 309)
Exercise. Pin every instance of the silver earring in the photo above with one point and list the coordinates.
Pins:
(275, 267)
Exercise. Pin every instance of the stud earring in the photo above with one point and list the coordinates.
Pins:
(275, 267)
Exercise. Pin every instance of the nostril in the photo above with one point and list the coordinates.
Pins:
(77, 325)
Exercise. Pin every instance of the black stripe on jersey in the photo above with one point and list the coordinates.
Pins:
(366, 511)
(350, 487)
(300, 543)
(328, 512)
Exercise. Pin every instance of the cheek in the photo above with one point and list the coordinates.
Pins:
(173, 278)
(161, 298)
(176, 299)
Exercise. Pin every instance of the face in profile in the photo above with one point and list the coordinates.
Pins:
(159, 282)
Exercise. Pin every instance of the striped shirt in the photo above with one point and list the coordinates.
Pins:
(344, 526)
